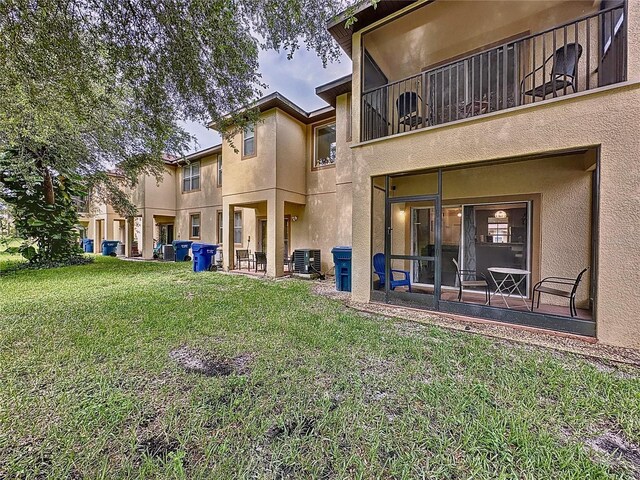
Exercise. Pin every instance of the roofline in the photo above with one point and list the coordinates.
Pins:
(277, 100)
(192, 157)
(354, 10)
(365, 13)
(330, 91)
(333, 83)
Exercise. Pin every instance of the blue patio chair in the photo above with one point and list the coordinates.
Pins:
(378, 268)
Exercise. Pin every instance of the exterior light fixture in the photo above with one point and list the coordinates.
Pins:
(294, 218)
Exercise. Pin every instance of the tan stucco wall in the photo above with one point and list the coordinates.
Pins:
(601, 119)
(290, 154)
(241, 175)
(428, 30)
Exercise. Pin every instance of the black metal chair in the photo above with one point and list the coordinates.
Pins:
(563, 71)
(261, 261)
(407, 105)
(540, 288)
(479, 280)
(243, 256)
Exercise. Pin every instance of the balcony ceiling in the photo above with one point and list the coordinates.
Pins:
(365, 15)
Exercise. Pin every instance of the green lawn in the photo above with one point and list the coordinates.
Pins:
(282, 384)
(9, 260)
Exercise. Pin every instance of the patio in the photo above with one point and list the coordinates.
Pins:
(520, 220)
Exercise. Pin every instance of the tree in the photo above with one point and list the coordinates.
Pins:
(89, 84)
(51, 224)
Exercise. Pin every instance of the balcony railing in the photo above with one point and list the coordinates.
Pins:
(584, 54)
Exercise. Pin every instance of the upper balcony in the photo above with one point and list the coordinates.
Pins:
(448, 61)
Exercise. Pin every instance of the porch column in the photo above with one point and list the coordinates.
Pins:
(110, 228)
(275, 236)
(228, 251)
(148, 227)
(129, 227)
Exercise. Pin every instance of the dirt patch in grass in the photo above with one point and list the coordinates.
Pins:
(300, 428)
(614, 445)
(158, 446)
(211, 365)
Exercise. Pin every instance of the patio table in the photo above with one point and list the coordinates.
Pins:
(509, 285)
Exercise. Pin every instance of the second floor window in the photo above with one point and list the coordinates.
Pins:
(191, 177)
(249, 141)
(325, 146)
(219, 170)
(237, 227)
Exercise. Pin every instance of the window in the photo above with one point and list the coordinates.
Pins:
(249, 141)
(194, 225)
(349, 121)
(220, 229)
(325, 146)
(219, 170)
(191, 177)
(498, 230)
(237, 227)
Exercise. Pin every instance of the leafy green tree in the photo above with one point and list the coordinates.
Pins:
(51, 224)
(87, 85)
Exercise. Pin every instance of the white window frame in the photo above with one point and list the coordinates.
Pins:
(219, 170)
(198, 225)
(252, 129)
(237, 227)
(331, 161)
(189, 176)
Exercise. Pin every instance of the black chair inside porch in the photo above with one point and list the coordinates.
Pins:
(471, 279)
(559, 287)
(261, 261)
(243, 256)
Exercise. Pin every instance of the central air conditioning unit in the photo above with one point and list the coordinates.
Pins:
(306, 261)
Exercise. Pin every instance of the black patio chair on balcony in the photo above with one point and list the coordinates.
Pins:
(472, 279)
(563, 72)
(407, 105)
(549, 286)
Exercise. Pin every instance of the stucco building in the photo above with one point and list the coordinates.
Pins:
(492, 141)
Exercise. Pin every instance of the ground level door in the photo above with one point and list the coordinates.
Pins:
(413, 250)
(166, 233)
(261, 245)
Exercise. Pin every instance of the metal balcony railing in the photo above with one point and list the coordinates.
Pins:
(581, 55)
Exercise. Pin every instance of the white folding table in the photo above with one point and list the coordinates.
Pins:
(510, 284)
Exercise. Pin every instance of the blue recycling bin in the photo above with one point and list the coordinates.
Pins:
(109, 247)
(181, 249)
(342, 261)
(203, 254)
(87, 245)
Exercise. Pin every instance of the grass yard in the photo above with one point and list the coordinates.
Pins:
(147, 370)
(8, 260)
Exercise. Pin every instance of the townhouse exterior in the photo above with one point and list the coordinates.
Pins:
(492, 141)
(275, 188)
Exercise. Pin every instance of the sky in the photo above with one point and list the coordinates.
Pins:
(296, 79)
